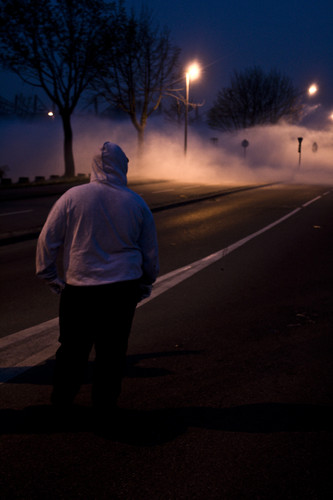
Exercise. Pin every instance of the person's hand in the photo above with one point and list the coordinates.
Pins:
(56, 285)
(144, 291)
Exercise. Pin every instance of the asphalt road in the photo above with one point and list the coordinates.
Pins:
(228, 390)
(22, 214)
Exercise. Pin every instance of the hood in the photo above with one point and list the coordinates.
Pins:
(110, 166)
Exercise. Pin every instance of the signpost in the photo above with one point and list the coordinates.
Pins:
(300, 139)
(245, 144)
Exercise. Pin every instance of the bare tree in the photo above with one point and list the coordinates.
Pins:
(175, 112)
(140, 68)
(254, 98)
(55, 45)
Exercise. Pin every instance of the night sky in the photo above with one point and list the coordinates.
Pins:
(294, 37)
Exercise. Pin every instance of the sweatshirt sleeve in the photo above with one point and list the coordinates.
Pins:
(50, 240)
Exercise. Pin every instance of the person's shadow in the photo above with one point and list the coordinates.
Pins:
(153, 427)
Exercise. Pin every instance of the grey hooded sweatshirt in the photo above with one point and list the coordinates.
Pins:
(107, 231)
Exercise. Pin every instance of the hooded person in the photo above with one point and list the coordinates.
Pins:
(109, 262)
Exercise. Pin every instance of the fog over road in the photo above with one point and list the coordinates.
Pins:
(230, 367)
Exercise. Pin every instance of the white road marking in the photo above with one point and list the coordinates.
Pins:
(46, 334)
(311, 201)
(175, 277)
(163, 191)
(30, 347)
(16, 213)
(28, 333)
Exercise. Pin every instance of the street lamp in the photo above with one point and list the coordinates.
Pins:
(313, 89)
(192, 73)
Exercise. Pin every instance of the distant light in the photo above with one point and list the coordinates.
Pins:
(193, 71)
(51, 114)
(331, 116)
(313, 89)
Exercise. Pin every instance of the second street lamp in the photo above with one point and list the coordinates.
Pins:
(191, 74)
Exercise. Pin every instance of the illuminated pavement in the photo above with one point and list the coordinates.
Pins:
(24, 210)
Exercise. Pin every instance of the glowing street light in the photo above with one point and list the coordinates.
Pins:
(313, 89)
(192, 73)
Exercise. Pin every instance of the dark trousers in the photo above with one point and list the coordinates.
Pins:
(99, 316)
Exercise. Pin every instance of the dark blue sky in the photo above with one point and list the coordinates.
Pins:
(292, 36)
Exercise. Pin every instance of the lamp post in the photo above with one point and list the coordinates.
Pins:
(191, 74)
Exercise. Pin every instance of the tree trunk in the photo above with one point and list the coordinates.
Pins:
(68, 145)
(141, 133)
(140, 129)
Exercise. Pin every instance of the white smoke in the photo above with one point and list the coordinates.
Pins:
(35, 148)
(271, 155)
